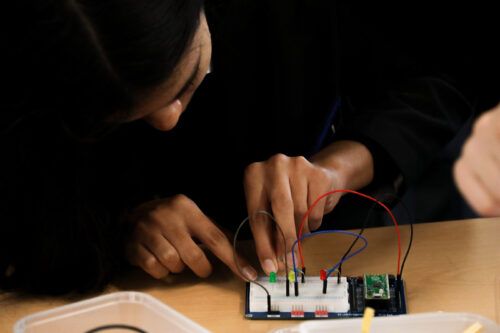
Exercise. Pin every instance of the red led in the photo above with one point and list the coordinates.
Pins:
(322, 274)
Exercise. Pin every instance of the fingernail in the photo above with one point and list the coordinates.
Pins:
(249, 273)
(268, 266)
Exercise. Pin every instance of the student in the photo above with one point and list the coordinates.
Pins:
(84, 181)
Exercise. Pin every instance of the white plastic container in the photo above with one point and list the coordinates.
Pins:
(125, 308)
(435, 322)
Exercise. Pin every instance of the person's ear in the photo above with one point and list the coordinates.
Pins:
(166, 118)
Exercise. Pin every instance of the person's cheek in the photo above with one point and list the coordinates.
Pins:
(166, 118)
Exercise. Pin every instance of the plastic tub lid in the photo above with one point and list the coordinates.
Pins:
(435, 322)
(135, 310)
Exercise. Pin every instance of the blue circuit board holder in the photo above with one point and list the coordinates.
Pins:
(356, 301)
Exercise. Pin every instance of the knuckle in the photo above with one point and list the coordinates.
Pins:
(178, 268)
(488, 207)
(282, 201)
(143, 232)
(279, 159)
(169, 256)
(330, 204)
(315, 216)
(141, 228)
(300, 213)
(181, 201)
(290, 239)
(322, 176)
(152, 266)
(252, 170)
(483, 123)
(154, 216)
(301, 162)
(485, 209)
(259, 220)
(150, 263)
(215, 238)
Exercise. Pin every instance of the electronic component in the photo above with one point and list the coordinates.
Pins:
(376, 287)
(342, 300)
(310, 301)
(265, 298)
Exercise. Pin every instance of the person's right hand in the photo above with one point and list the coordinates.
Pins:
(162, 239)
(287, 186)
(477, 171)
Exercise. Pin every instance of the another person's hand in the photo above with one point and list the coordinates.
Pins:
(162, 239)
(287, 186)
(477, 171)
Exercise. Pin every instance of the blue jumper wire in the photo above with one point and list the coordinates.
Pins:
(330, 271)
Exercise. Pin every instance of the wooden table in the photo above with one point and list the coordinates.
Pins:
(454, 266)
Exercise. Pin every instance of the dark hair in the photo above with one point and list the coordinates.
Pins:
(69, 65)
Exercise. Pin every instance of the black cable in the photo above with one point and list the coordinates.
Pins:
(116, 326)
(363, 226)
(410, 222)
(407, 250)
(235, 255)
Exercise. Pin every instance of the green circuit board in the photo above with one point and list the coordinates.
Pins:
(376, 287)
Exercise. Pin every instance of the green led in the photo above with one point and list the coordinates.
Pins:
(291, 276)
(272, 277)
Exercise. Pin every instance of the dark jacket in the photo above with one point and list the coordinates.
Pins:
(279, 67)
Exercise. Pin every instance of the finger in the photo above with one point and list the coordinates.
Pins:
(192, 255)
(283, 210)
(147, 261)
(166, 254)
(280, 244)
(299, 190)
(473, 191)
(153, 240)
(260, 224)
(217, 242)
(263, 230)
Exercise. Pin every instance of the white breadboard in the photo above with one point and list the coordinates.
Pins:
(310, 299)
